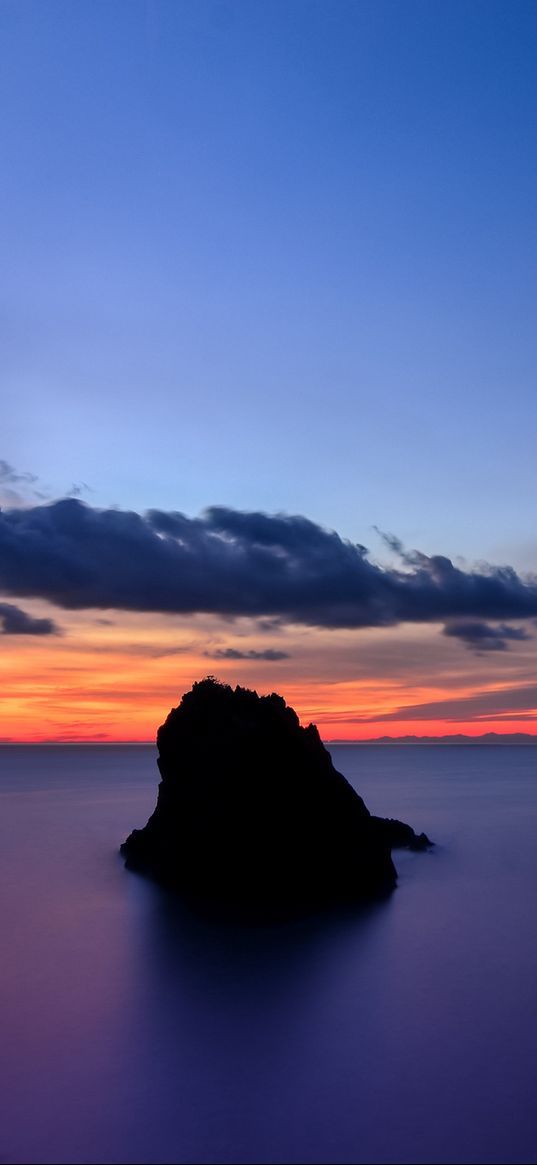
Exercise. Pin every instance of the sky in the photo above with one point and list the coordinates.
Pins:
(267, 362)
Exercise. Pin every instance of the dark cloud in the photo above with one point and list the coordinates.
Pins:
(269, 655)
(14, 621)
(232, 563)
(483, 636)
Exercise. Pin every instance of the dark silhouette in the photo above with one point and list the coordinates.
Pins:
(494, 739)
(251, 813)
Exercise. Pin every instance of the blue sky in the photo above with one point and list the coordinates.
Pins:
(276, 256)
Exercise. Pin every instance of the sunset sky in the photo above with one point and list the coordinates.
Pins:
(268, 300)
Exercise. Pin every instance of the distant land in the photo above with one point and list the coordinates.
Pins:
(488, 738)
(497, 738)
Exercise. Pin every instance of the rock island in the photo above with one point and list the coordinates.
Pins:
(252, 815)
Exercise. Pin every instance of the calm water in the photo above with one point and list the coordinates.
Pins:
(132, 1032)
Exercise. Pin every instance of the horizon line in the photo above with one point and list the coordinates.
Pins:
(409, 738)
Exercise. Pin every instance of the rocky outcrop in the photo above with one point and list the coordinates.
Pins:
(251, 813)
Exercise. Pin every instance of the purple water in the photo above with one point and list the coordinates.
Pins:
(132, 1032)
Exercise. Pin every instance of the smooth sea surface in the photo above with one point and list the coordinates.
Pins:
(132, 1031)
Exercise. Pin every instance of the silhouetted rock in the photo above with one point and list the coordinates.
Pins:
(401, 836)
(252, 814)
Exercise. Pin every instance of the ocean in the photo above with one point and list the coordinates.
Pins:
(134, 1031)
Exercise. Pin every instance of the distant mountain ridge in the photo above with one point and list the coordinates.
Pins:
(496, 738)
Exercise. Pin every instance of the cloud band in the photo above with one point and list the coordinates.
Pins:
(235, 563)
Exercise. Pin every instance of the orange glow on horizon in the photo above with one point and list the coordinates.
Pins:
(113, 681)
(342, 734)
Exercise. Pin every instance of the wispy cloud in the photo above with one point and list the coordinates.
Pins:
(270, 654)
(506, 703)
(25, 489)
(18, 488)
(78, 489)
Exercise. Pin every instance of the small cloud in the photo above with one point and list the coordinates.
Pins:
(479, 636)
(79, 488)
(9, 474)
(270, 655)
(392, 542)
(271, 625)
(17, 489)
(24, 489)
(15, 621)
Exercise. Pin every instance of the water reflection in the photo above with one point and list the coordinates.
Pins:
(205, 953)
(253, 1044)
(136, 1030)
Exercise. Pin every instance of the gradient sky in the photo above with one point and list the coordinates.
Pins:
(277, 257)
